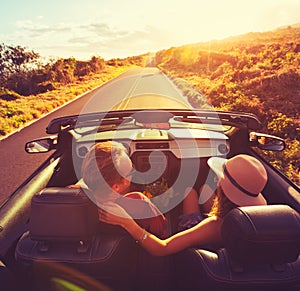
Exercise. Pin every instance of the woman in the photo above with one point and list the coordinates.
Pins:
(241, 180)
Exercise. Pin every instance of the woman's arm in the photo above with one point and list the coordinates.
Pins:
(206, 232)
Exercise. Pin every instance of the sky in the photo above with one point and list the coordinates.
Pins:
(121, 28)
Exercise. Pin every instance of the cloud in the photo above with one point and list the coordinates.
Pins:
(87, 40)
(37, 29)
(79, 40)
(119, 43)
(102, 30)
(107, 43)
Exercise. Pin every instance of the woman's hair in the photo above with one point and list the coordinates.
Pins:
(99, 164)
(221, 205)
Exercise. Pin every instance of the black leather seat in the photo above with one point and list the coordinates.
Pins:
(7, 278)
(64, 244)
(261, 252)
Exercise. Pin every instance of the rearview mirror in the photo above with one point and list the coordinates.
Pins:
(154, 125)
(42, 145)
(266, 142)
(153, 119)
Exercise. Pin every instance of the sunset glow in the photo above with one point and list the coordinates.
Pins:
(118, 28)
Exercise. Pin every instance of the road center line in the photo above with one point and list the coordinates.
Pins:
(125, 100)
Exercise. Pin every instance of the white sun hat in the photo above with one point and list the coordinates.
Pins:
(242, 179)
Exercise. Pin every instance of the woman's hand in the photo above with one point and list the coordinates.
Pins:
(113, 213)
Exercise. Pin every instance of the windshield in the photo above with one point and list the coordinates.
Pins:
(147, 98)
(140, 90)
(143, 88)
(131, 124)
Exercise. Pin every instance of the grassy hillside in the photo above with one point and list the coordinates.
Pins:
(255, 72)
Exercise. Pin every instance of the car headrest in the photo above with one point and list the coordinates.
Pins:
(63, 214)
(262, 234)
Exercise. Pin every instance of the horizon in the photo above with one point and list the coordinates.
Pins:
(120, 29)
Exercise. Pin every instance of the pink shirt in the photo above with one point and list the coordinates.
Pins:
(139, 206)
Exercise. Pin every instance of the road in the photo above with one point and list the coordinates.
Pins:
(121, 93)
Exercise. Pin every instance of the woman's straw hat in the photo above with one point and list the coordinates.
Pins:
(242, 179)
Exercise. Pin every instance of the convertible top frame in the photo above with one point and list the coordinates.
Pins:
(247, 120)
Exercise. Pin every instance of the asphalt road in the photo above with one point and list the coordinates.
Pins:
(118, 94)
(16, 164)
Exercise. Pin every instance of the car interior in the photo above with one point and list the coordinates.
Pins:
(261, 243)
(64, 245)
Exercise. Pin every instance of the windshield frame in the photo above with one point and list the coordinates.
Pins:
(103, 121)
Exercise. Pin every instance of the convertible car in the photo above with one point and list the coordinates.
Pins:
(51, 238)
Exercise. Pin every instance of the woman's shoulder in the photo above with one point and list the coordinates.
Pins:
(207, 232)
(214, 220)
(210, 227)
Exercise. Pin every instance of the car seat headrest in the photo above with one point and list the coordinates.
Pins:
(262, 234)
(63, 214)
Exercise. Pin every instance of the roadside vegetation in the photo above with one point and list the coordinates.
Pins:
(29, 89)
(257, 73)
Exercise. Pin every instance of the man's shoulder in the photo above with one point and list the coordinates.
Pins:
(136, 195)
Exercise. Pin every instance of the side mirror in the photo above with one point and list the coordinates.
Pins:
(267, 142)
(42, 145)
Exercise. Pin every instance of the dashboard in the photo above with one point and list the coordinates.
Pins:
(158, 155)
(182, 143)
(181, 149)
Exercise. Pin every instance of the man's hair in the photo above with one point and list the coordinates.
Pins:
(99, 164)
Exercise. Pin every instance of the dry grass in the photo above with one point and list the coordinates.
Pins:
(20, 110)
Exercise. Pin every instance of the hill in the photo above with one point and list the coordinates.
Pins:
(254, 72)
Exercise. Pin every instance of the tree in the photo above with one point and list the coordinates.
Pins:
(97, 64)
(62, 71)
(14, 60)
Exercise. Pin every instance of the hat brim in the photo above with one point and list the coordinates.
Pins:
(217, 164)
